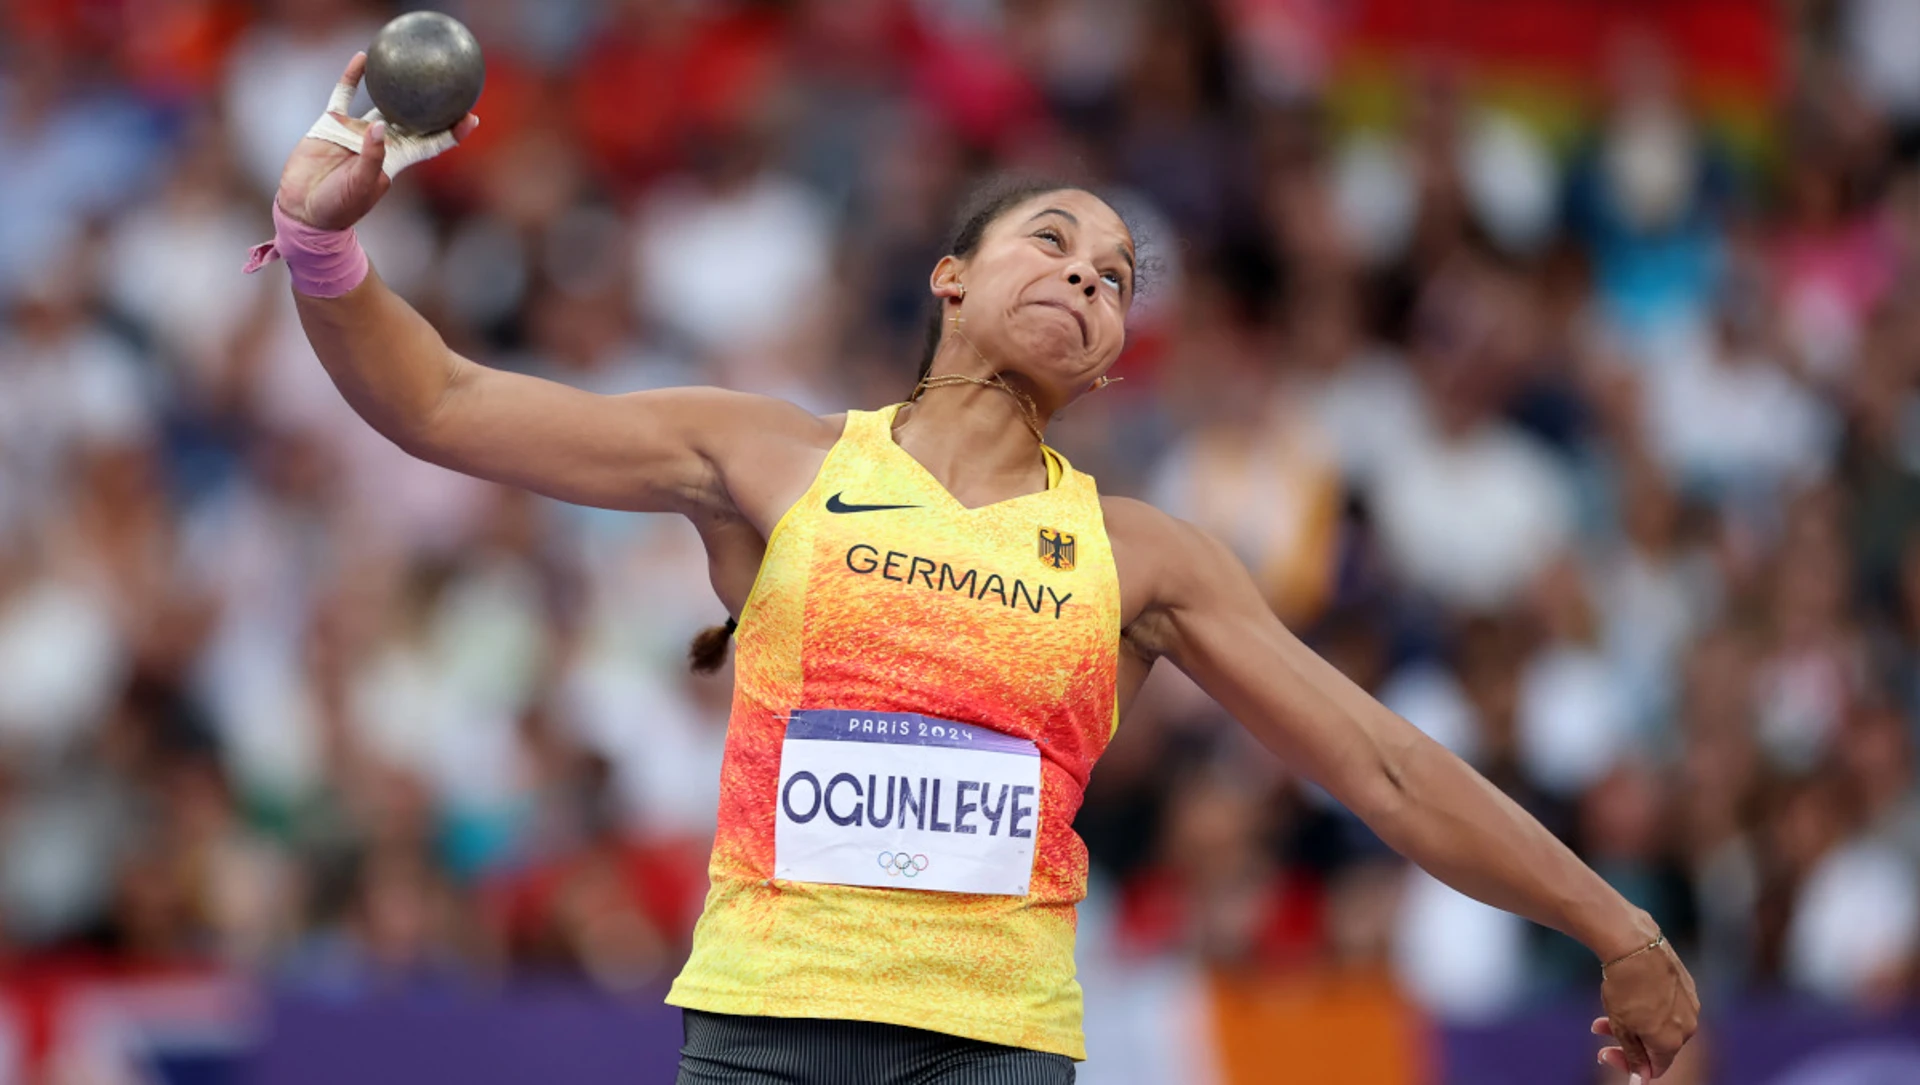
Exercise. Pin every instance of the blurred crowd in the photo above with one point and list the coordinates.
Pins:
(1590, 444)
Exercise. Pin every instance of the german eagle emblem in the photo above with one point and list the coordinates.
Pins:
(1056, 549)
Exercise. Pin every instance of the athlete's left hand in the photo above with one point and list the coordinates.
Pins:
(1652, 1011)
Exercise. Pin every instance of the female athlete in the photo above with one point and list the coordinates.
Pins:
(940, 624)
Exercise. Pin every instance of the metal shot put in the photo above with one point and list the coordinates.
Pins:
(424, 72)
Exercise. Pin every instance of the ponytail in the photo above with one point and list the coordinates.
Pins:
(709, 648)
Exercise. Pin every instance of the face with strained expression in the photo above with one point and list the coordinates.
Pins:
(1046, 293)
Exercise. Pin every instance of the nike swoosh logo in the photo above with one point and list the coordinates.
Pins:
(834, 504)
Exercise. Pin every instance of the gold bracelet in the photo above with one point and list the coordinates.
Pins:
(1655, 944)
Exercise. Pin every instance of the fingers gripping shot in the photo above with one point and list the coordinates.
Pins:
(940, 623)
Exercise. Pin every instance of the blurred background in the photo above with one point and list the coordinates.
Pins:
(1554, 364)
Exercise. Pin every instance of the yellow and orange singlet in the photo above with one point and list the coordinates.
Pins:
(904, 663)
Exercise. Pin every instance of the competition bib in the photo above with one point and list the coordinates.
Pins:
(902, 801)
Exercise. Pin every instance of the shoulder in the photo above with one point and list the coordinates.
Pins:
(1132, 522)
(1164, 564)
(726, 415)
(761, 453)
(1150, 535)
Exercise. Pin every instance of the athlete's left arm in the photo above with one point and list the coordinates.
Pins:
(1203, 611)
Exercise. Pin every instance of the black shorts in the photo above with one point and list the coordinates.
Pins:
(722, 1049)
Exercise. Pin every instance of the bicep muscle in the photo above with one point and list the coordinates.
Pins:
(651, 451)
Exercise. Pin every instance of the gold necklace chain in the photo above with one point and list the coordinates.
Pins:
(1029, 413)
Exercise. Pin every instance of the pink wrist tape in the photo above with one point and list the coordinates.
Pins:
(324, 263)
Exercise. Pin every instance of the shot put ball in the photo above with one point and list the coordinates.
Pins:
(424, 72)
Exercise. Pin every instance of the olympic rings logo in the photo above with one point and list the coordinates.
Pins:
(897, 863)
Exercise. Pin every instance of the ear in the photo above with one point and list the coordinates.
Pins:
(947, 282)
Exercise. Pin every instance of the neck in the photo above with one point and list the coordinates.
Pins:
(973, 436)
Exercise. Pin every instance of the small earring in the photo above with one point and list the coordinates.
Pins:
(1104, 381)
(963, 291)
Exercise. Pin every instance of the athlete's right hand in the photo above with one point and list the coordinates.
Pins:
(345, 164)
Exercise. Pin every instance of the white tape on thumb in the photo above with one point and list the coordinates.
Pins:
(403, 150)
